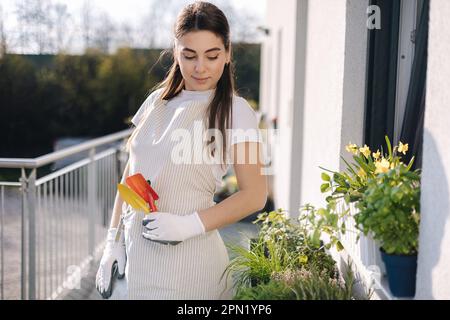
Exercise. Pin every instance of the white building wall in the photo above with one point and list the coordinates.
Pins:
(323, 99)
(433, 274)
(277, 89)
(334, 88)
(315, 89)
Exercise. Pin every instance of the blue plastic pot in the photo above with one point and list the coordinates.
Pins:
(401, 273)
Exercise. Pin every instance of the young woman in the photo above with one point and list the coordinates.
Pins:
(198, 93)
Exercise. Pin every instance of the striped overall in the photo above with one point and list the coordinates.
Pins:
(192, 269)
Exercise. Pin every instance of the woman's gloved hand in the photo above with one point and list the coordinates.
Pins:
(113, 260)
(169, 228)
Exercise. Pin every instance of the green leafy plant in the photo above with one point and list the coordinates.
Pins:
(281, 245)
(351, 184)
(301, 284)
(271, 290)
(385, 192)
(301, 236)
(389, 210)
(255, 266)
(324, 220)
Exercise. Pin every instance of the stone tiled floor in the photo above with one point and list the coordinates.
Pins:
(238, 233)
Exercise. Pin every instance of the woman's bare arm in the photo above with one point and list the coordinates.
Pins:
(117, 209)
(252, 194)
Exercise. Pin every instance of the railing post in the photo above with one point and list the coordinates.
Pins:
(121, 157)
(23, 234)
(2, 242)
(31, 200)
(92, 201)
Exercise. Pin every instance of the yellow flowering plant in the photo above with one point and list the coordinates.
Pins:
(352, 183)
(390, 210)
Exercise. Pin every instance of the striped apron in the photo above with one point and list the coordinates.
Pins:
(194, 268)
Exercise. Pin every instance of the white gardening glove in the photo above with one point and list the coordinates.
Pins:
(113, 260)
(169, 228)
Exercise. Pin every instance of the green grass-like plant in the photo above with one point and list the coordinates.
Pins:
(301, 284)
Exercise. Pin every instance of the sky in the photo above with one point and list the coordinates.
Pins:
(127, 10)
(131, 11)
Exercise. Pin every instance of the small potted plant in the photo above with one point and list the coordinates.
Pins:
(389, 210)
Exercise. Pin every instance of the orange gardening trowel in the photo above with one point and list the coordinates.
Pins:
(138, 194)
(134, 200)
(143, 189)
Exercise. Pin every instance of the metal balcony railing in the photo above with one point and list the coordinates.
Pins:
(52, 227)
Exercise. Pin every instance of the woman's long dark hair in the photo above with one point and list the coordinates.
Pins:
(207, 17)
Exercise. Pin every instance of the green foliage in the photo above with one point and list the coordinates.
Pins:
(301, 236)
(389, 209)
(246, 58)
(281, 245)
(271, 290)
(47, 97)
(23, 121)
(324, 220)
(351, 184)
(100, 91)
(300, 284)
(386, 193)
(256, 265)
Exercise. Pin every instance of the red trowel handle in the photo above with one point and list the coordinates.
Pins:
(138, 184)
(152, 203)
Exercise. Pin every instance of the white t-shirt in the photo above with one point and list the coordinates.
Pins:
(243, 119)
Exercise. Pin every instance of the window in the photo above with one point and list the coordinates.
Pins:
(396, 70)
(395, 92)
